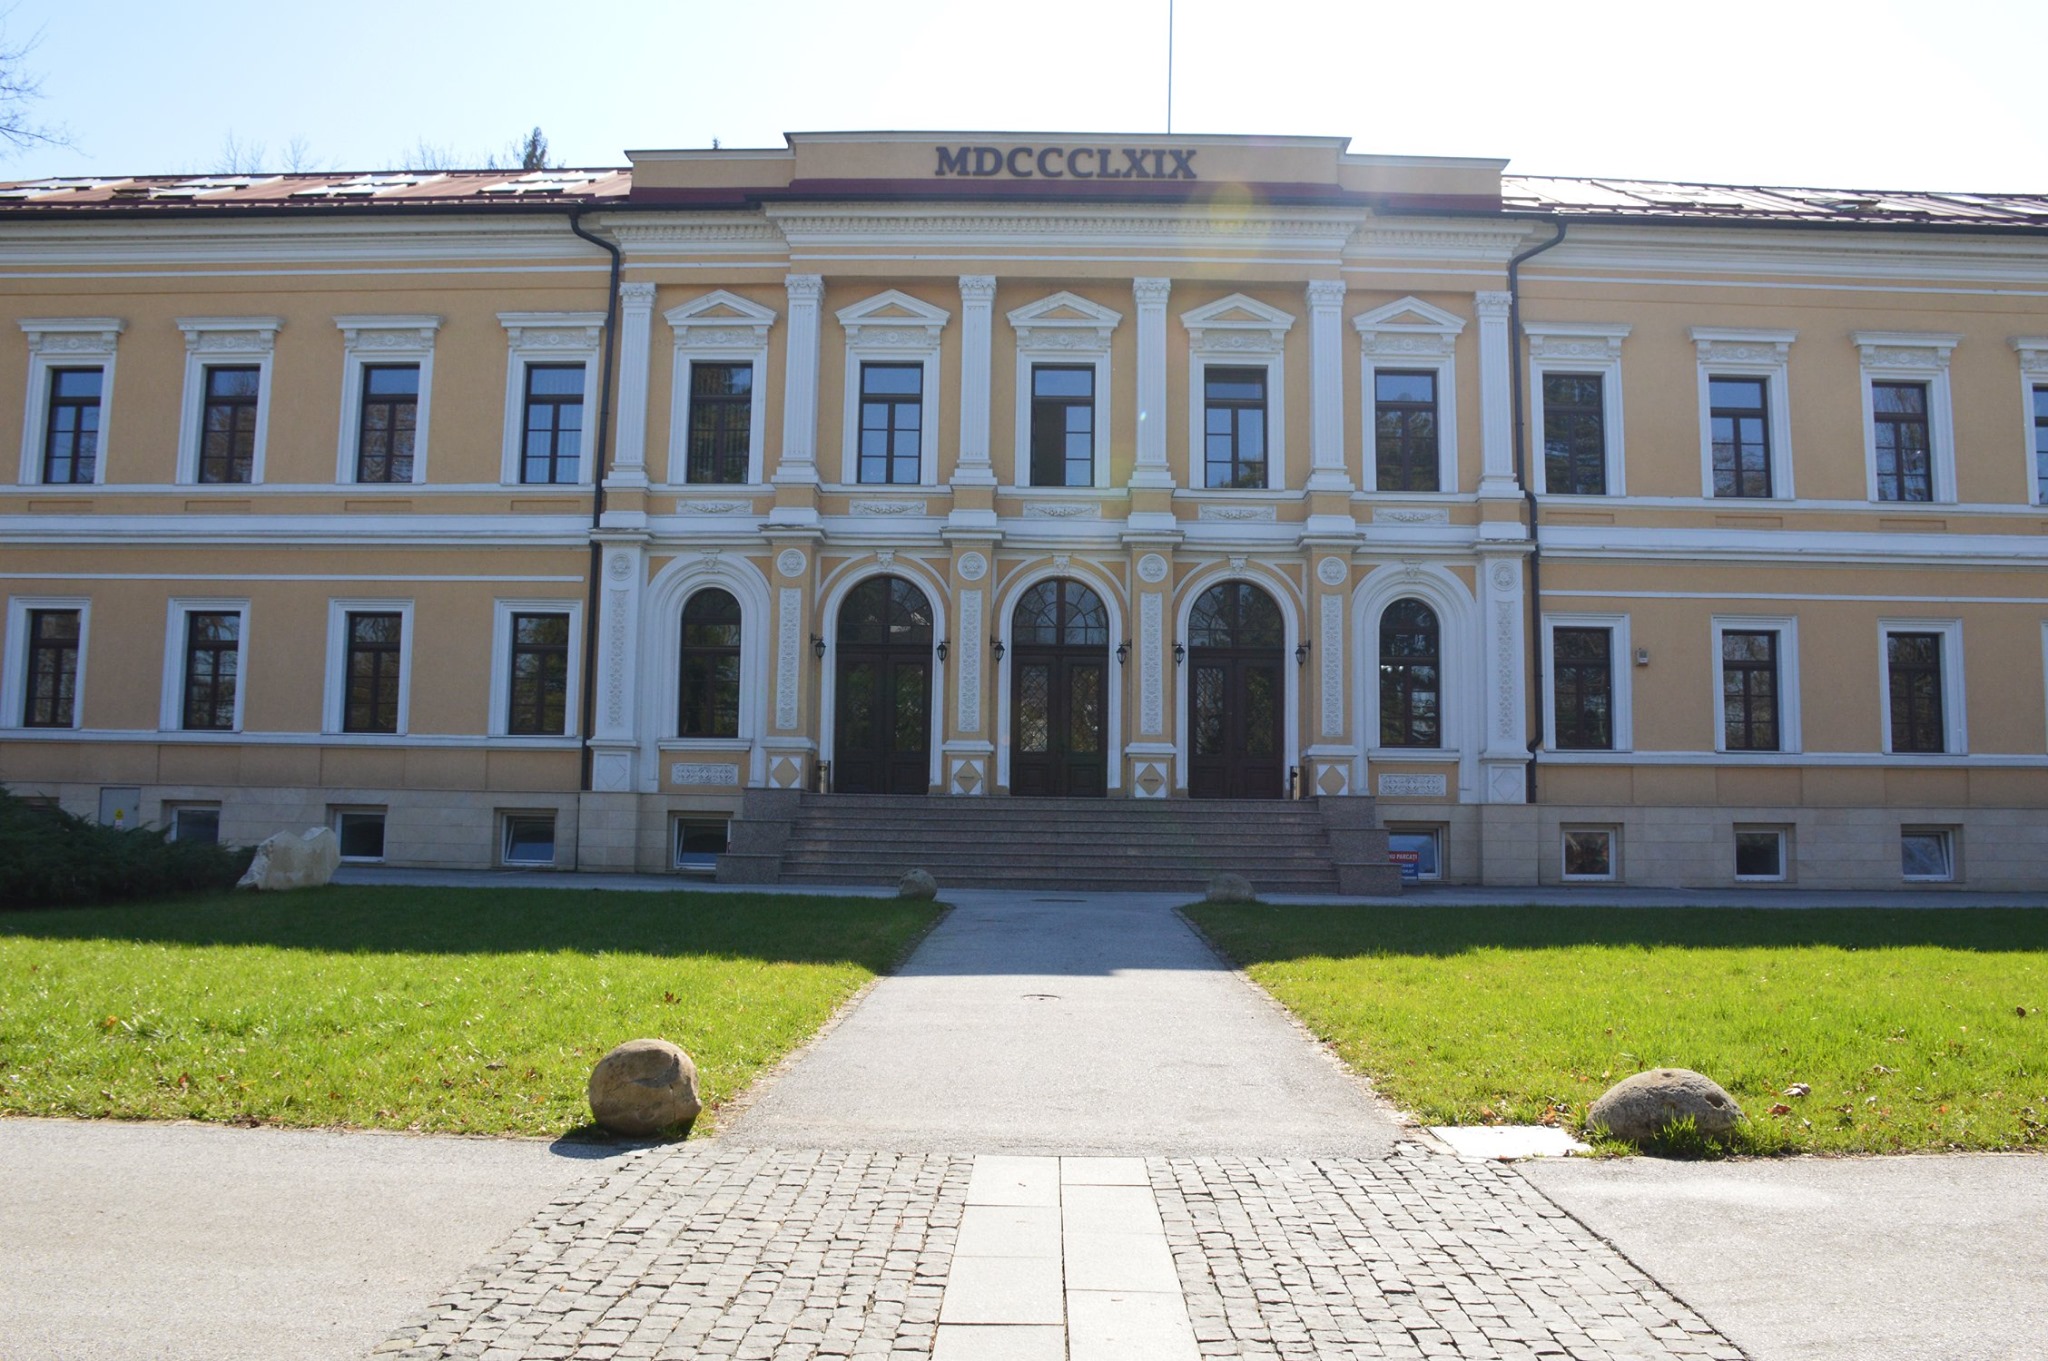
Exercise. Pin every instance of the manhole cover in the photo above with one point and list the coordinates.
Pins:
(1041, 997)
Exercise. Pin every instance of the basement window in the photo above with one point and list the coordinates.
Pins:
(529, 839)
(1591, 853)
(698, 843)
(361, 831)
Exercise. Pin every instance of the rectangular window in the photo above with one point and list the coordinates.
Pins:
(1062, 426)
(529, 839)
(1750, 717)
(1589, 853)
(891, 422)
(389, 424)
(2041, 445)
(1405, 429)
(1927, 853)
(1234, 427)
(1417, 850)
(196, 822)
(1905, 449)
(71, 426)
(1739, 413)
(227, 423)
(361, 832)
(1574, 434)
(539, 701)
(370, 701)
(1760, 853)
(213, 656)
(1913, 684)
(52, 689)
(721, 422)
(1583, 682)
(699, 843)
(551, 447)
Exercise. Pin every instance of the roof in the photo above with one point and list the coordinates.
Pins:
(1595, 199)
(1661, 200)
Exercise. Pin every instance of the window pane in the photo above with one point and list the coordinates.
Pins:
(1759, 855)
(231, 382)
(1048, 381)
(1236, 384)
(362, 836)
(1404, 387)
(76, 383)
(891, 380)
(555, 380)
(392, 380)
(1589, 854)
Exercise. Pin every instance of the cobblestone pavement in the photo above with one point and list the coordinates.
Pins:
(703, 1250)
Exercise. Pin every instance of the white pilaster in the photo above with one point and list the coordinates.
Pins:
(1326, 387)
(1504, 752)
(799, 462)
(1496, 397)
(977, 321)
(1152, 469)
(636, 333)
(613, 742)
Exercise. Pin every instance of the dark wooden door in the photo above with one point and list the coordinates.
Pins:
(1237, 705)
(882, 709)
(1059, 692)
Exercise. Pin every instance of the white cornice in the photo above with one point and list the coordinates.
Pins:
(341, 240)
(1736, 251)
(810, 226)
(1383, 239)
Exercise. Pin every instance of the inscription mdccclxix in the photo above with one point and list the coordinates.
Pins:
(1061, 163)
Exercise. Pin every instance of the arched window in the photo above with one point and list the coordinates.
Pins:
(885, 611)
(710, 702)
(1059, 614)
(1236, 614)
(1411, 677)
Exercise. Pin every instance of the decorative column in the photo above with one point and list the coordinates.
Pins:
(1496, 397)
(788, 749)
(1151, 469)
(977, 322)
(1326, 387)
(1151, 752)
(799, 462)
(636, 329)
(1504, 752)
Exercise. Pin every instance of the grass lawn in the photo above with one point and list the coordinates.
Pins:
(476, 1011)
(1906, 1024)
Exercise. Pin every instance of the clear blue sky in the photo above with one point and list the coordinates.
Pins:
(1938, 94)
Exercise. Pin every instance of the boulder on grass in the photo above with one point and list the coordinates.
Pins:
(643, 1087)
(918, 885)
(1231, 888)
(1640, 1107)
(293, 860)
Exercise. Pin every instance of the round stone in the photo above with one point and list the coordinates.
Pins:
(1231, 888)
(1637, 1108)
(644, 1087)
(918, 885)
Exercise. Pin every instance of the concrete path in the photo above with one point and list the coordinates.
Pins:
(210, 1243)
(1067, 1023)
(1836, 1259)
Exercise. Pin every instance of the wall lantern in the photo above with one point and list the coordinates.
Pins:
(945, 646)
(996, 646)
(1301, 653)
(818, 647)
(1180, 653)
(1123, 652)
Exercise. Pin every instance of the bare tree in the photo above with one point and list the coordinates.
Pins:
(425, 155)
(20, 89)
(527, 153)
(237, 157)
(300, 160)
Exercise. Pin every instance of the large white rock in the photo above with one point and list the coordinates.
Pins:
(1638, 1108)
(294, 860)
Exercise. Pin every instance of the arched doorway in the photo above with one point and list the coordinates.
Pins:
(1237, 707)
(882, 716)
(1059, 692)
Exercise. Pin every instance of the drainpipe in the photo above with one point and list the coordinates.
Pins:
(1521, 447)
(604, 436)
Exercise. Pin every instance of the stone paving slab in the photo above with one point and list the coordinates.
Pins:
(710, 1250)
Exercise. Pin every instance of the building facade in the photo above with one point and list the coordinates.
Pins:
(1604, 531)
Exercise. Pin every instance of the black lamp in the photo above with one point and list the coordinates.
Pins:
(1180, 653)
(1123, 652)
(943, 649)
(1301, 653)
(996, 646)
(818, 647)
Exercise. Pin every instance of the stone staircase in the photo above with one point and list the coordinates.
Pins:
(1320, 845)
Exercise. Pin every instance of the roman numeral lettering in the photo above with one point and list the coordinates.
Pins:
(1183, 165)
(952, 162)
(1134, 166)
